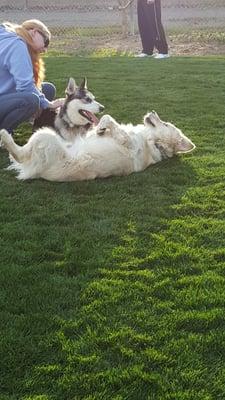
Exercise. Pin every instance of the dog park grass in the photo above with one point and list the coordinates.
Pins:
(115, 288)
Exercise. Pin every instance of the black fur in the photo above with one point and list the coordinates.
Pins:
(46, 118)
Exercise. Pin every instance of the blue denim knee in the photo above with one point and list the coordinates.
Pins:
(32, 103)
(49, 90)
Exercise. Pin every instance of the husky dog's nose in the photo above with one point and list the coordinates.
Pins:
(101, 108)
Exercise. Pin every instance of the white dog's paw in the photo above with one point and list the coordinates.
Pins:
(5, 137)
(104, 123)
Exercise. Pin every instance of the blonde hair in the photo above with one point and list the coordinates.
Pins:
(22, 31)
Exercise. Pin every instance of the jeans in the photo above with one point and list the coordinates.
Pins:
(19, 107)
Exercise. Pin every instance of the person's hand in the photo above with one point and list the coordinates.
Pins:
(56, 103)
(150, 1)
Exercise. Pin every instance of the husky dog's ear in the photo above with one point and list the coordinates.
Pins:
(71, 87)
(83, 84)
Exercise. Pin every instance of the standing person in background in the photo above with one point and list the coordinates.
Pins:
(151, 29)
(22, 90)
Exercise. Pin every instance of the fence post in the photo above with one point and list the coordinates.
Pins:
(131, 11)
(126, 7)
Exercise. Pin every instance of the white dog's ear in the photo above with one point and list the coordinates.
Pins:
(71, 87)
(151, 118)
(155, 115)
(184, 145)
(83, 84)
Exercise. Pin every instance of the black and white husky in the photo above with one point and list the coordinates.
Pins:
(83, 112)
(77, 115)
(110, 148)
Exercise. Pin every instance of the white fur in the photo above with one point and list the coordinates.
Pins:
(107, 150)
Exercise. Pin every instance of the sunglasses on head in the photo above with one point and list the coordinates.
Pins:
(46, 39)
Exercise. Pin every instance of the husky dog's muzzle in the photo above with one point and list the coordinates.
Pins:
(91, 117)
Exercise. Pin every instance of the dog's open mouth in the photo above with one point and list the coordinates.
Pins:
(89, 116)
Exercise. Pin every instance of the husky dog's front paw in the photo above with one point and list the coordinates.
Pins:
(104, 123)
(5, 137)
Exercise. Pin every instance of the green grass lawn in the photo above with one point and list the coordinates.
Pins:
(115, 289)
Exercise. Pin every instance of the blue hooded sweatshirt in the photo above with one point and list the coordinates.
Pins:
(16, 70)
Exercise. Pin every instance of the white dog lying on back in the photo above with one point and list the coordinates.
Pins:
(106, 150)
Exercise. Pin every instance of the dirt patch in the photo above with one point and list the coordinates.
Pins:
(197, 49)
(176, 47)
(132, 45)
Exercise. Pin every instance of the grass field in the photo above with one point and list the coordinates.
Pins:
(115, 289)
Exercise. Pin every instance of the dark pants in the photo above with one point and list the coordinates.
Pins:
(19, 107)
(150, 27)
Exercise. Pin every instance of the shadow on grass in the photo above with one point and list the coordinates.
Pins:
(93, 269)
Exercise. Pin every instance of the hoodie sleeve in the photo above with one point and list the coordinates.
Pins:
(20, 67)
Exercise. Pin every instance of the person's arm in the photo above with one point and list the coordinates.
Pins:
(56, 103)
(20, 67)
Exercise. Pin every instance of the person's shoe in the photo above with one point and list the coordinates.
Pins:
(141, 55)
(159, 56)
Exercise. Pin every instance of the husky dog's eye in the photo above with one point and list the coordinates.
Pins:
(86, 100)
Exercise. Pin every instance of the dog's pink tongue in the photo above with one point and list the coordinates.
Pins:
(93, 118)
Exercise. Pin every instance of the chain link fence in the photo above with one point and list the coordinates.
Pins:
(89, 23)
